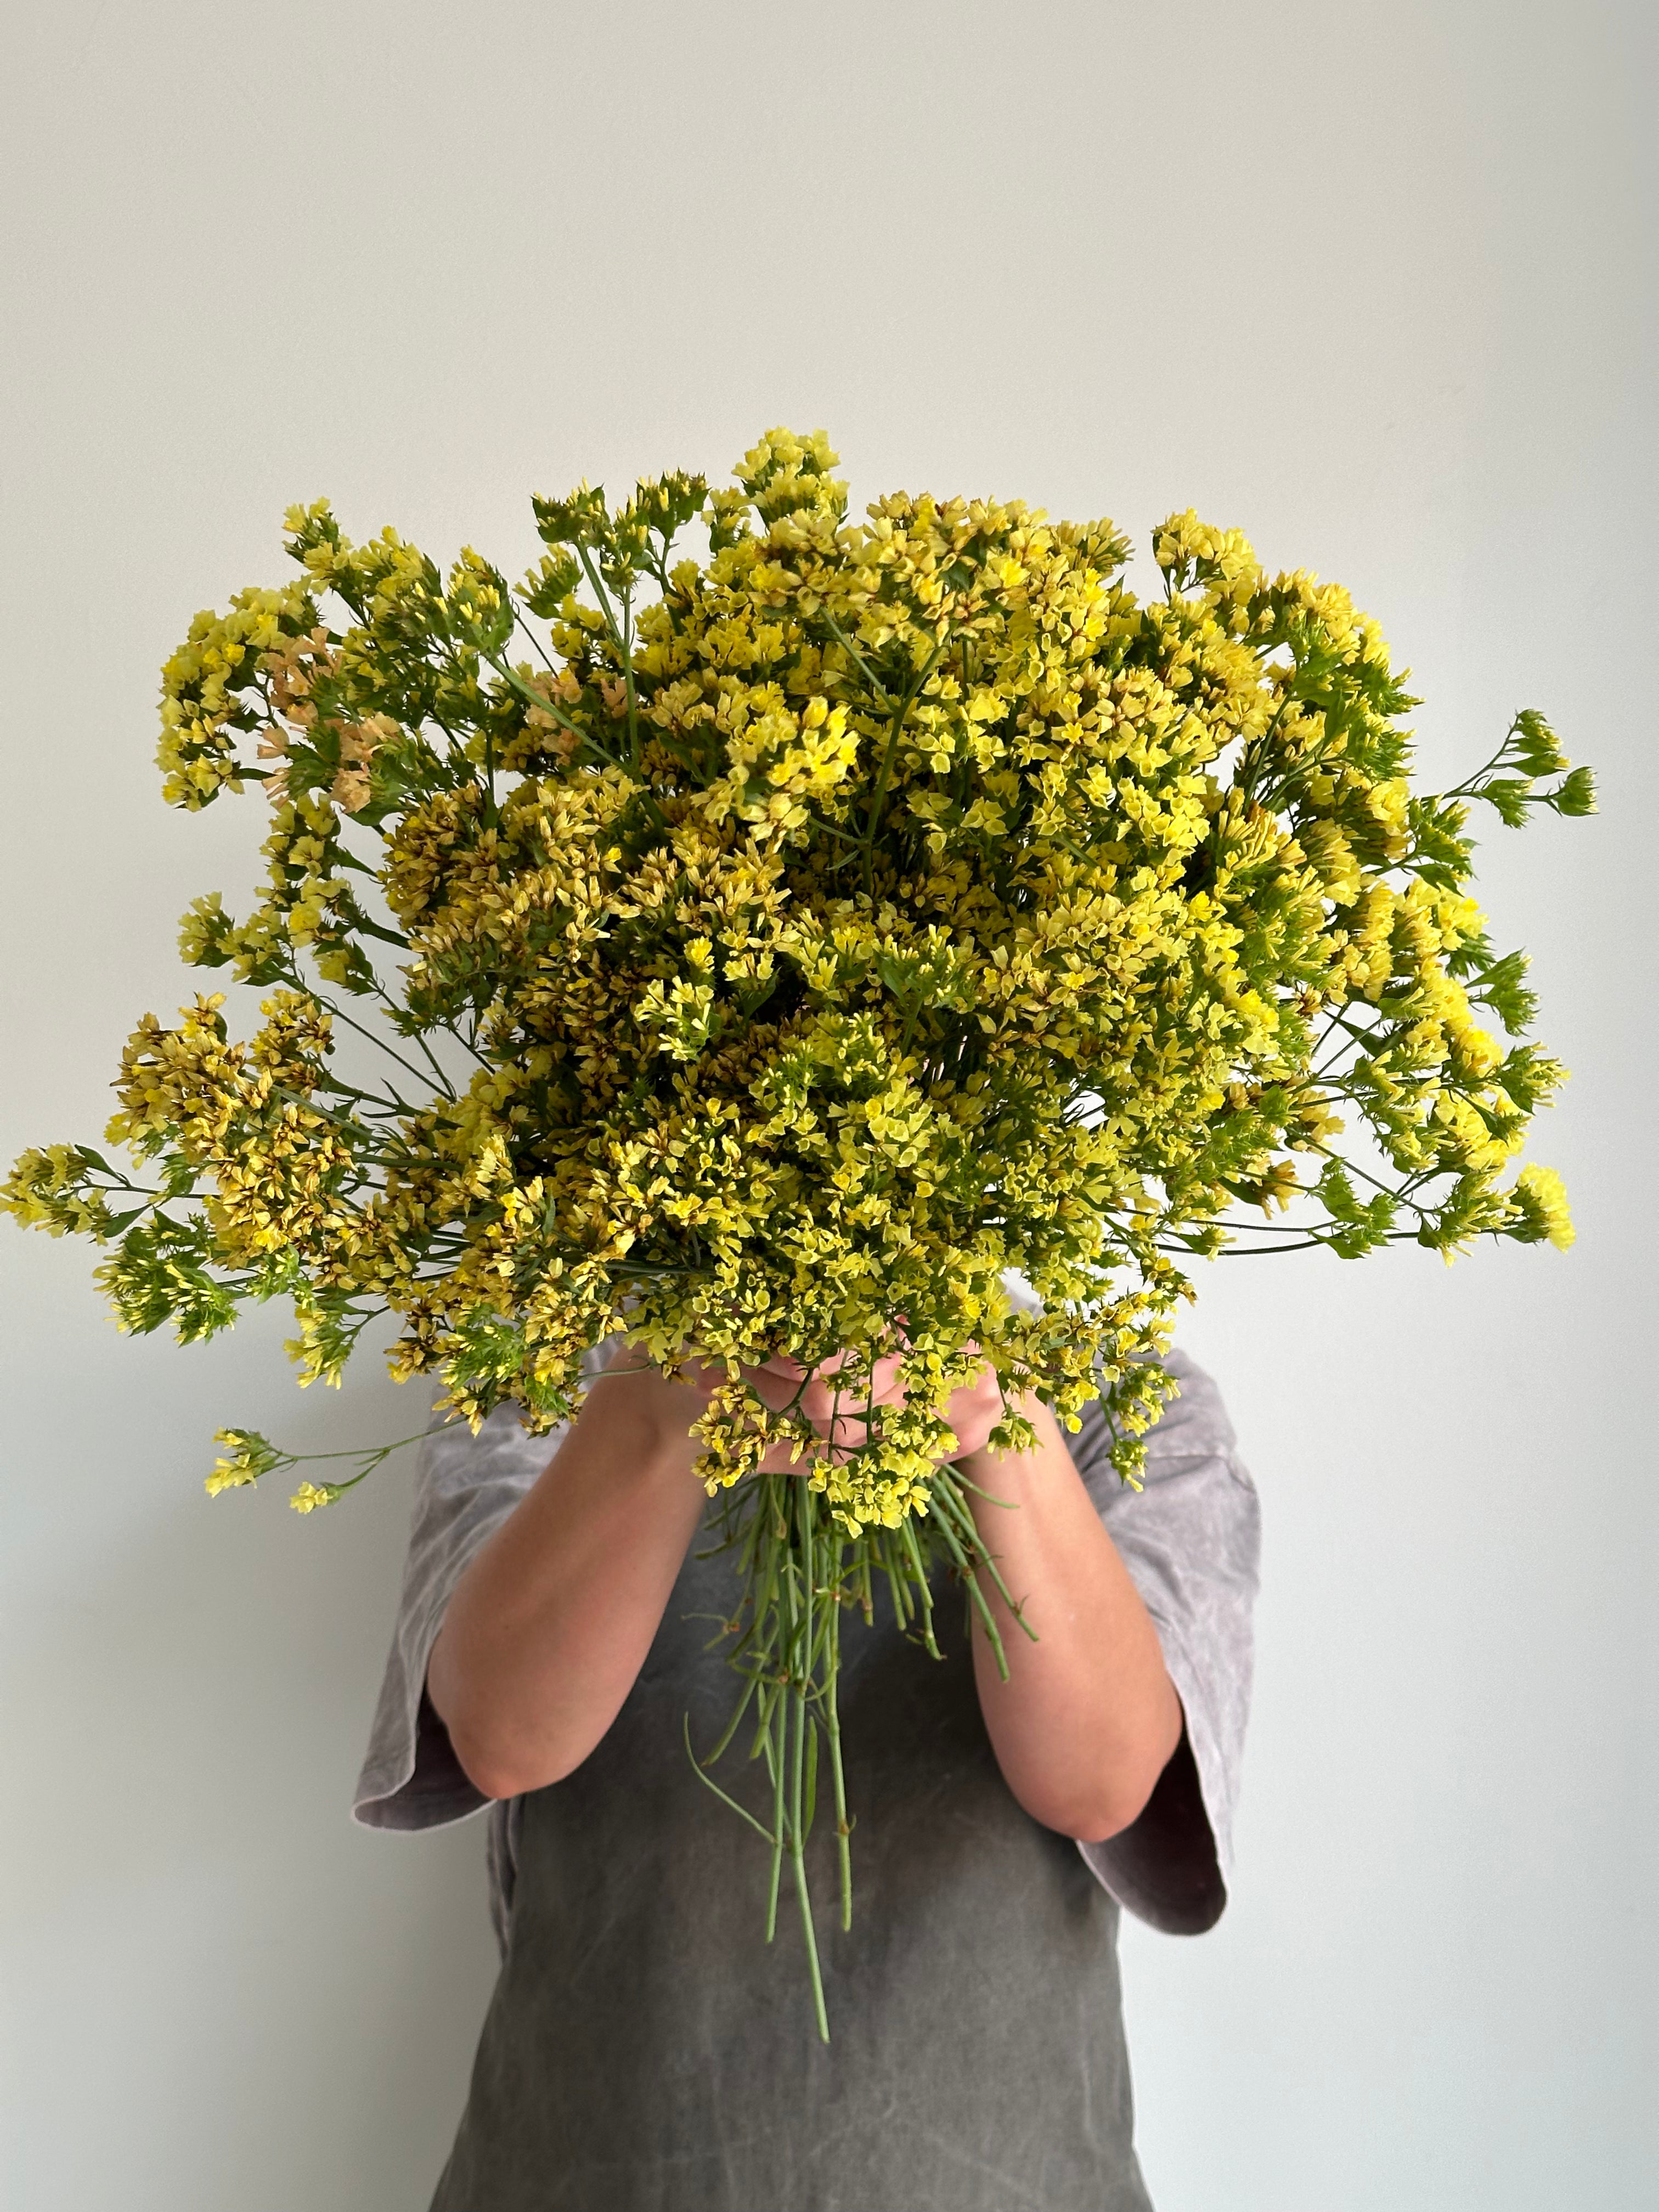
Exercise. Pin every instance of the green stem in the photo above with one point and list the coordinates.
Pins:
(600, 594)
(361, 921)
(918, 1572)
(627, 649)
(731, 1729)
(968, 1571)
(777, 1733)
(699, 1769)
(878, 797)
(802, 1719)
(776, 1737)
(532, 697)
(903, 1611)
(832, 1729)
(408, 1066)
(852, 653)
(379, 1451)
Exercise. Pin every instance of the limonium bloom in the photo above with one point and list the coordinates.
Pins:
(767, 948)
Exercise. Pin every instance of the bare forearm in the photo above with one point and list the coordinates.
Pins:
(550, 1623)
(1088, 1718)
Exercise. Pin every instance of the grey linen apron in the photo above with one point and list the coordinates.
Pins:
(646, 2051)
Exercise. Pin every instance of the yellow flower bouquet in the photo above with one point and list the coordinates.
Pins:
(768, 951)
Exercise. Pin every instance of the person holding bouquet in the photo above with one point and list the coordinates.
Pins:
(853, 969)
(557, 1649)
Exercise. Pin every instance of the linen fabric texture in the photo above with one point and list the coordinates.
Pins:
(1190, 1539)
(646, 2050)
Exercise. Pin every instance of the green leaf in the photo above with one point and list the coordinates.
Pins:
(810, 1803)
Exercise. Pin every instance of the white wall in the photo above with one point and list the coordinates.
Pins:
(1374, 282)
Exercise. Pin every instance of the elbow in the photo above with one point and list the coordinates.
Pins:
(492, 1777)
(1102, 1805)
(1109, 1813)
(488, 1767)
(498, 1770)
(1092, 1816)
(1093, 1809)
(499, 1762)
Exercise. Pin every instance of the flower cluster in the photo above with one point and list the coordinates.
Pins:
(828, 925)
(769, 950)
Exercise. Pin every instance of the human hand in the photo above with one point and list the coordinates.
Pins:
(839, 1412)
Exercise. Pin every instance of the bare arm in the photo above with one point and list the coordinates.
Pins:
(1088, 1718)
(550, 1623)
(549, 1626)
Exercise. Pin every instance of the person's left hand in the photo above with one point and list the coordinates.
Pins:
(839, 1415)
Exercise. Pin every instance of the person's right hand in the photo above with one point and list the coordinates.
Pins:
(839, 1412)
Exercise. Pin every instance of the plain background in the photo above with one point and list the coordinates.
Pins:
(1373, 283)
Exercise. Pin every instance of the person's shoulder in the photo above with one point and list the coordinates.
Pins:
(501, 1453)
(457, 1463)
(1195, 1420)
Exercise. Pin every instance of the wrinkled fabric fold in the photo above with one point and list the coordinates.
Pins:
(647, 2051)
(1190, 1539)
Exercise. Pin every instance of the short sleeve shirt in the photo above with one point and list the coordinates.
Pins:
(1190, 1537)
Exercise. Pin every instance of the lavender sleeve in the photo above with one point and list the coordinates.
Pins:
(1190, 1538)
(465, 1488)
